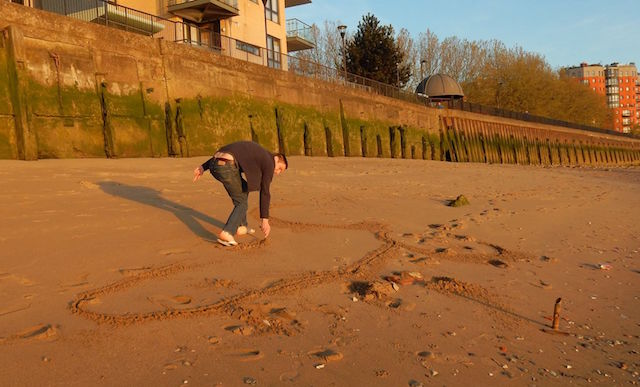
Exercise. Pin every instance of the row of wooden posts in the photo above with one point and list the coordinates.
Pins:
(477, 141)
(464, 140)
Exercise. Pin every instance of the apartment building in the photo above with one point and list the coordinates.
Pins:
(620, 83)
(252, 30)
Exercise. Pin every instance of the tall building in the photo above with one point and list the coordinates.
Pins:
(620, 83)
(253, 30)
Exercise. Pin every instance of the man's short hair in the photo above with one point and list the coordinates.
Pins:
(283, 158)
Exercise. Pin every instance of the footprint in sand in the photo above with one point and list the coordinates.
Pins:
(498, 263)
(16, 278)
(173, 251)
(240, 330)
(247, 355)
(42, 332)
(289, 376)
(13, 306)
(327, 354)
(284, 314)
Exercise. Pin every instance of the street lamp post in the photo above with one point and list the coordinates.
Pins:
(266, 36)
(498, 94)
(422, 63)
(343, 30)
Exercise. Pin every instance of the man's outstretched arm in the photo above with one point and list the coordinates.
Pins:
(197, 173)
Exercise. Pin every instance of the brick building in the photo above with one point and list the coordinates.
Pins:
(620, 83)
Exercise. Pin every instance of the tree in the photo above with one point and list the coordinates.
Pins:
(428, 46)
(326, 52)
(373, 53)
(489, 72)
(406, 45)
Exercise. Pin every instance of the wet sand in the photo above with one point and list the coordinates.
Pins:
(110, 275)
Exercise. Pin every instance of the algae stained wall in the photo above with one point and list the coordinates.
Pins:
(8, 141)
(83, 90)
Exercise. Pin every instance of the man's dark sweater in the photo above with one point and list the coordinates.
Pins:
(257, 164)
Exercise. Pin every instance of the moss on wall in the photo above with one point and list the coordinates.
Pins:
(69, 138)
(6, 107)
(7, 139)
(293, 120)
(212, 122)
(8, 148)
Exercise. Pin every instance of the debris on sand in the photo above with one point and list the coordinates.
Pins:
(460, 201)
(546, 258)
(371, 290)
(405, 277)
(605, 266)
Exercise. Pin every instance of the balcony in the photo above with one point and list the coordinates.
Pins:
(106, 13)
(299, 36)
(293, 3)
(626, 113)
(204, 11)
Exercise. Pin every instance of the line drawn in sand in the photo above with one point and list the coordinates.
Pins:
(364, 269)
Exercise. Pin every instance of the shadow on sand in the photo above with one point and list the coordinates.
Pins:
(151, 197)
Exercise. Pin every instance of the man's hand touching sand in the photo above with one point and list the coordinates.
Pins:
(197, 173)
(265, 227)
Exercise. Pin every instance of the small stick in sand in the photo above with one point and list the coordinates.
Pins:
(556, 315)
(555, 324)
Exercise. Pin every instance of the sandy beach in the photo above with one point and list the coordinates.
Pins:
(110, 275)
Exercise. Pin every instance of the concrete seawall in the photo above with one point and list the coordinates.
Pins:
(76, 89)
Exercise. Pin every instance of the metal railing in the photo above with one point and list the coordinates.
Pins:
(110, 14)
(231, 3)
(296, 28)
(496, 112)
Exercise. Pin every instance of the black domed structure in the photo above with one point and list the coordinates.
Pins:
(439, 87)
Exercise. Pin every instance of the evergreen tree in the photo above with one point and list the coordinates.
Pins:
(373, 53)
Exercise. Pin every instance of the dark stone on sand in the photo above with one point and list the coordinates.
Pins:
(459, 202)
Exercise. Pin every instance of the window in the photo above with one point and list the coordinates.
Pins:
(273, 52)
(246, 47)
(271, 11)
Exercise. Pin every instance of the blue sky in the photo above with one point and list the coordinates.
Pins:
(565, 32)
